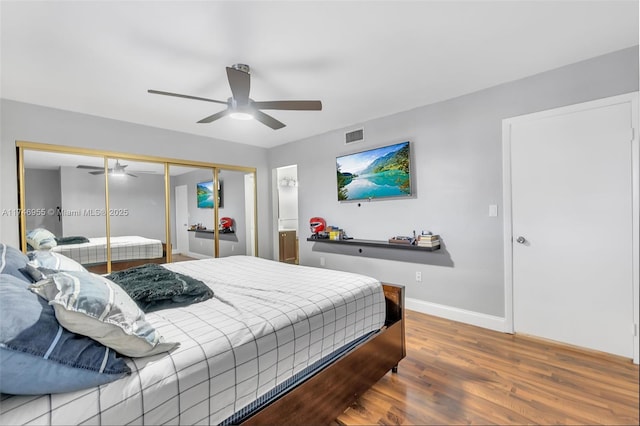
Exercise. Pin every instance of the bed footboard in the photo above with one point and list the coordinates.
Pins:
(323, 397)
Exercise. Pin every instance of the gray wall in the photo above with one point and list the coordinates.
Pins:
(81, 191)
(458, 173)
(27, 122)
(43, 192)
(143, 199)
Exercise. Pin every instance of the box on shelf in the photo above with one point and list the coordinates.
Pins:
(429, 241)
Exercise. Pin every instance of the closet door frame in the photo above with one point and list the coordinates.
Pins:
(22, 146)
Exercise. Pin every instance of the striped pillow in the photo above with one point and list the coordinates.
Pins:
(94, 306)
(41, 239)
(12, 261)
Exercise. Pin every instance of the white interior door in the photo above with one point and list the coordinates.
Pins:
(182, 220)
(572, 226)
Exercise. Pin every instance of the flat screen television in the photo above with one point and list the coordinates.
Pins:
(376, 173)
(204, 194)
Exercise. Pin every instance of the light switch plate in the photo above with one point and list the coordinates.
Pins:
(493, 210)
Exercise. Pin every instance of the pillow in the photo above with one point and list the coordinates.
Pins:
(11, 261)
(52, 260)
(40, 238)
(94, 306)
(37, 274)
(38, 356)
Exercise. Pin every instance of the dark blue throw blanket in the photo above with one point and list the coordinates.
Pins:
(154, 287)
(71, 240)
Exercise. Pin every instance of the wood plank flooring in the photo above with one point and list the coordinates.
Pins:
(456, 373)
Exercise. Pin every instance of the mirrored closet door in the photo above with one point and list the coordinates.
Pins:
(192, 208)
(64, 194)
(110, 211)
(137, 226)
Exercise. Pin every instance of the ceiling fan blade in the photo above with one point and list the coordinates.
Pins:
(214, 117)
(89, 167)
(268, 120)
(290, 105)
(240, 83)
(129, 174)
(177, 95)
(97, 172)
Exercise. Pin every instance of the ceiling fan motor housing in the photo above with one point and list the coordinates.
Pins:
(242, 67)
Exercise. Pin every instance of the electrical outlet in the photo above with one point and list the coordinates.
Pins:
(322, 263)
(419, 276)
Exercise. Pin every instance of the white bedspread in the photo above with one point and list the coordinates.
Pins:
(266, 322)
(131, 247)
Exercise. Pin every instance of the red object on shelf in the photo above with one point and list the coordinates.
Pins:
(226, 222)
(317, 224)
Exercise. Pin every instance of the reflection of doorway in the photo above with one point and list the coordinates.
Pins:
(182, 220)
(287, 183)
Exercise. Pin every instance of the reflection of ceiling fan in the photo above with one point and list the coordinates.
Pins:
(117, 170)
(242, 107)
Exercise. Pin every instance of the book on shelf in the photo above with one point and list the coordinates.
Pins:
(429, 241)
(437, 244)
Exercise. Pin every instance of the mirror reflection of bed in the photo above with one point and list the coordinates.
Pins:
(66, 194)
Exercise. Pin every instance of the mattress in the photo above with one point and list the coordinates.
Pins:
(267, 322)
(130, 247)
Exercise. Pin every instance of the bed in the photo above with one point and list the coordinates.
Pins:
(126, 251)
(277, 344)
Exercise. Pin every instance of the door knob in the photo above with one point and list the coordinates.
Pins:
(521, 240)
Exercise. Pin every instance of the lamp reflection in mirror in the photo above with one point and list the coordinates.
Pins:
(288, 181)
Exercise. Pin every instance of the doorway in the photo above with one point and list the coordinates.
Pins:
(571, 224)
(287, 193)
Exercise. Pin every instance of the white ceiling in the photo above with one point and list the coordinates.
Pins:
(362, 59)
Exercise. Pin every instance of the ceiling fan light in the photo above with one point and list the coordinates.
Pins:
(241, 115)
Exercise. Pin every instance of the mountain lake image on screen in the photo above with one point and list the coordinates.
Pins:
(375, 173)
(205, 195)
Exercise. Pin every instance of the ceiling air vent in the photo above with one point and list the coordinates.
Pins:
(354, 136)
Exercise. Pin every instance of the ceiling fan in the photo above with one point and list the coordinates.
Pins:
(241, 106)
(117, 170)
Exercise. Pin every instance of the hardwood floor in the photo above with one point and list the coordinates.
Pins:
(180, 258)
(456, 373)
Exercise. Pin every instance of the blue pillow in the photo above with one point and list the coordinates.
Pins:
(12, 260)
(39, 356)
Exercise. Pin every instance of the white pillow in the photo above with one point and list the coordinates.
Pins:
(52, 260)
(40, 238)
(91, 305)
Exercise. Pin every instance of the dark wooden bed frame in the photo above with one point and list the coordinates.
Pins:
(323, 397)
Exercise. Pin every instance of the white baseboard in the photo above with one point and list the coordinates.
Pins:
(490, 322)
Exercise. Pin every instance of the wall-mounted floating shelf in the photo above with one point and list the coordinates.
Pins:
(373, 243)
(209, 231)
